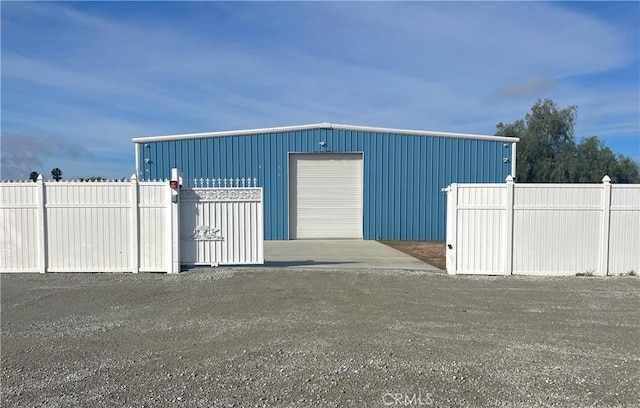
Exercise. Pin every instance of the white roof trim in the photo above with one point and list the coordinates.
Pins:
(324, 125)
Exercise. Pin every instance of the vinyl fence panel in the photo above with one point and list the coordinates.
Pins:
(72, 226)
(543, 229)
(481, 221)
(88, 226)
(153, 227)
(20, 223)
(624, 224)
(557, 228)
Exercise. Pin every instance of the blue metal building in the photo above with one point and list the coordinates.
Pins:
(338, 181)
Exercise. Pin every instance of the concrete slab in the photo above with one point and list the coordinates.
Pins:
(338, 254)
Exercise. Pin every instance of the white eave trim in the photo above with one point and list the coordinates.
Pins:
(325, 125)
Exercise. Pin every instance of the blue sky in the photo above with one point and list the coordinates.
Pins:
(80, 79)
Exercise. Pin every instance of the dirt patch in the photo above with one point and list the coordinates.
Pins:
(311, 338)
(431, 252)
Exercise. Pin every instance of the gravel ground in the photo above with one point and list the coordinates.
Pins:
(264, 337)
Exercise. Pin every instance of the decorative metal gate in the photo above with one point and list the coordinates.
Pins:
(221, 223)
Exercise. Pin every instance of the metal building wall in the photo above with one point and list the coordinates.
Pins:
(403, 174)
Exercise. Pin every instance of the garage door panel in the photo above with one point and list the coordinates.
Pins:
(326, 195)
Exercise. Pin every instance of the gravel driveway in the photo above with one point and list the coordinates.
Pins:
(318, 338)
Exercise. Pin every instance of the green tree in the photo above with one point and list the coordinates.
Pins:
(594, 160)
(547, 151)
(33, 176)
(627, 171)
(92, 178)
(56, 173)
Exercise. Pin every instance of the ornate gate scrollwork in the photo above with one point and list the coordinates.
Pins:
(205, 233)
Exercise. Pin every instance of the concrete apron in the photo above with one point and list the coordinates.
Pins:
(339, 254)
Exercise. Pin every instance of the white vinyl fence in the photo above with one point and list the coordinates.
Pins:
(71, 226)
(543, 229)
(128, 226)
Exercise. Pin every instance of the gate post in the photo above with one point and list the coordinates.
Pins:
(43, 252)
(508, 237)
(174, 222)
(606, 218)
(135, 233)
(452, 229)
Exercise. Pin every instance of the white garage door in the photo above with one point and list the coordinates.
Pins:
(325, 195)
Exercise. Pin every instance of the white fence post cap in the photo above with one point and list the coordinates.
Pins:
(606, 179)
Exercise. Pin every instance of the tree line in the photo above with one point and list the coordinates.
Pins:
(56, 174)
(548, 152)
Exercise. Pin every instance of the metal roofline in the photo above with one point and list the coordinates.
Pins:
(425, 133)
(324, 125)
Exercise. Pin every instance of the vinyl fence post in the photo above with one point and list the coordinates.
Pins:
(606, 216)
(508, 252)
(135, 236)
(42, 225)
(168, 238)
(452, 229)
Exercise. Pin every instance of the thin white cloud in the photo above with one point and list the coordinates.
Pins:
(532, 86)
(23, 153)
